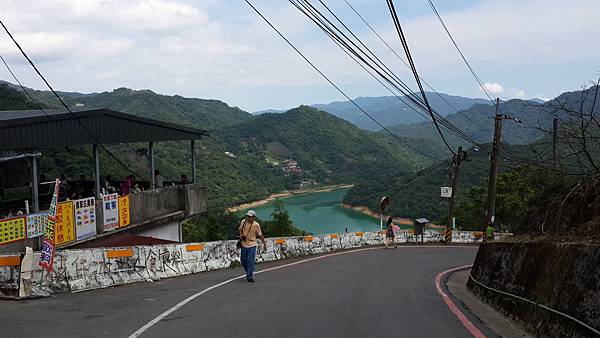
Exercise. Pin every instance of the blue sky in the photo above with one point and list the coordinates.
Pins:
(220, 49)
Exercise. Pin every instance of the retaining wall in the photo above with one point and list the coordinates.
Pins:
(86, 269)
(562, 276)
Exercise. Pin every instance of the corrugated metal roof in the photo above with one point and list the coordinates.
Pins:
(32, 129)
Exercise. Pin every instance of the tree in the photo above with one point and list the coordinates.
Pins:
(281, 225)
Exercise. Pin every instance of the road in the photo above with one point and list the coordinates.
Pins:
(370, 293)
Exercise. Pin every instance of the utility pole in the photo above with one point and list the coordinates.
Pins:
(491, 195)
(456, 162)
(555, 143)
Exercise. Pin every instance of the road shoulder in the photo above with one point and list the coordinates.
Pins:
(486, 315)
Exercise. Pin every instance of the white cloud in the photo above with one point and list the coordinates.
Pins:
(222, 49)
(516, 93)
(494, 88)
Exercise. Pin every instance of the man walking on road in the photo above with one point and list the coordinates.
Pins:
(249, 231)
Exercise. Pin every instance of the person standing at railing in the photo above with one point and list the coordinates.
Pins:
(158, 180)
(389, 234)
(249, 232)
(489, 232)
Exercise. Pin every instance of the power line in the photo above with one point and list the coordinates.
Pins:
(22, 87)
(62, 102)
(404, 62)
(366, 57)
(414, 69)
(459, 51)
(334, 85)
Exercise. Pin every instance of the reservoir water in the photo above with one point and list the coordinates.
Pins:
(321, 213)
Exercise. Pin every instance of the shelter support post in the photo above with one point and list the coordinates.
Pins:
(193, 146)
(151, 158)
(35, 195)
(97, 170)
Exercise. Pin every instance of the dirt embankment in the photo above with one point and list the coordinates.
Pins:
(560, 275)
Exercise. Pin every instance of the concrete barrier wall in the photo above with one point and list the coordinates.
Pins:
(86, 269)
(562, 276)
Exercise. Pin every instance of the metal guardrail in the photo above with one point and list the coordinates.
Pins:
(536, 304)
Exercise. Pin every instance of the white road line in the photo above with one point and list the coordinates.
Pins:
(196, 295)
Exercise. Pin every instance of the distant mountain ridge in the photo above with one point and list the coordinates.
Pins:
(192, 112)
(389, 110)
(478, 120)
(237, 162)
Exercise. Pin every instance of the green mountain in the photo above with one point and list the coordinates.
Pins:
(326, 148)
(197, 113)
(418, 194)
(243, 159)
(391, 111)
(11, 99)
(478, 120)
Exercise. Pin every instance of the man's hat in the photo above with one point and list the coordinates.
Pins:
(251, 213)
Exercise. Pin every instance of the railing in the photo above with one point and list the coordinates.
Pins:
(174, 202)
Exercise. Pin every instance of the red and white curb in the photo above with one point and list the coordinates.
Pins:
(459, 314)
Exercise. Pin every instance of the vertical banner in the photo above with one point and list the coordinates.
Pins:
(110, 211)
(36, 224)
(85, 218)
(64, 225)
(124, 213)
(48, 246)
(12, 229)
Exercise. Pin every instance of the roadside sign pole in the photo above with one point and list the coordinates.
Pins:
(456, 162)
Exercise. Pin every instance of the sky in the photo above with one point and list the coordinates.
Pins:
(221, 49)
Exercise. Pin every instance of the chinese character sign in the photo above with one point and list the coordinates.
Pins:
(124, 212)
(48, 247)
(36, 224)
(110, 206)
(12, 229)
(64, 224)
(85, 218)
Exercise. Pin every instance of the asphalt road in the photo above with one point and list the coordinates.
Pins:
(374, 293)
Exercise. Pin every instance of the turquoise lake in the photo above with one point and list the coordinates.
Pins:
(321, 213)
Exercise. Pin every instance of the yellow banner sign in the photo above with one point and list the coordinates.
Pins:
(124, 212)
(12, 229)
(64, 224)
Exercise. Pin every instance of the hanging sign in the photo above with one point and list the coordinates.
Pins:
(124, 212)
(48, 245)
(64, 225)
(110, 211)
(446, 192)
(85, 218)
(12, 229)
(36, 224)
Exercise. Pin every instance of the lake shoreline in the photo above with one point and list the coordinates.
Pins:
(284, 194)
(366, 211)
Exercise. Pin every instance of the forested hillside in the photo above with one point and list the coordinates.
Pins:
(391, 111)
(478, 120)
(418, 194)
(329, 148)
(243, 159)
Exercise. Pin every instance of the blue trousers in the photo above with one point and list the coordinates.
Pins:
(248, 260)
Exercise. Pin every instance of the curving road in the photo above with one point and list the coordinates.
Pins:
(375, 293)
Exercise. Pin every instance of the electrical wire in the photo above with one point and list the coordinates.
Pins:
(435, 11)
(371, 60)
(407, 65)
(334, 85)
(62, 102)
(414, 69)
